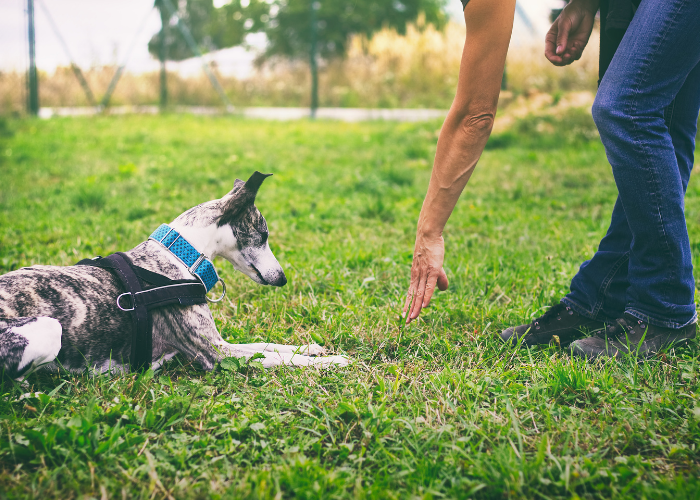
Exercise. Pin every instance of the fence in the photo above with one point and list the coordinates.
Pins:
(415, 70)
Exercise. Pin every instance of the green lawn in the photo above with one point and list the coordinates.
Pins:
(438, 409)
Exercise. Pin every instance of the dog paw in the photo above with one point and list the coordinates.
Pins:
(312, 350)
(328, 361)
(278, 359)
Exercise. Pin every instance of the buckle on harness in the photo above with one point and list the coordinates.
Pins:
(132, 302)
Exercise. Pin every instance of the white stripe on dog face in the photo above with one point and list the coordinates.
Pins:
(266, 264)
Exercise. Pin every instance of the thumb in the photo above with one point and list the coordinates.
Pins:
(563, 35)
(442, 281)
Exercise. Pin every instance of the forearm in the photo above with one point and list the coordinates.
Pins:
(461, 142)
(469, 122)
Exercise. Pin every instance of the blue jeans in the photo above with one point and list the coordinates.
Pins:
(646, 112)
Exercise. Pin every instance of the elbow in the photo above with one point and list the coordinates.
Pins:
(477, 124)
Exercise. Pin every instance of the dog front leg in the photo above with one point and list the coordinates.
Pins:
(207, 347)
(306, 349)
(279, 355)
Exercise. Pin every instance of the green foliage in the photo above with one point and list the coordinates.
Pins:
(5, 135)
(289, 31)
(211, 28)
(241, 365)
(439, 409)
(287, 24)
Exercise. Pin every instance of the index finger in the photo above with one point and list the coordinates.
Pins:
(409, 300)
(429, 288)
(412, 287)
(420, 294)
(550, 45)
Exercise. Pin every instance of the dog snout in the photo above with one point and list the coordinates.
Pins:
(280, 280)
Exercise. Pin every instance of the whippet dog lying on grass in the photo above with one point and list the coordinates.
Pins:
(83, 317)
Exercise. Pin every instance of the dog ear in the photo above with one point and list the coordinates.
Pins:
(236, 186)
(243, 197)
(255, 181)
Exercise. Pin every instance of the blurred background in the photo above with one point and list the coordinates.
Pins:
(212, 55)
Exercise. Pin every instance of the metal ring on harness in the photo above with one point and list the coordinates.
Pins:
(132, 302)
(223, 294)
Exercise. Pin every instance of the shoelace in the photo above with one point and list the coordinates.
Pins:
(620, 329)
(551, 313)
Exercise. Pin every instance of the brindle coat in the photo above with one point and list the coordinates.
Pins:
(44, 308)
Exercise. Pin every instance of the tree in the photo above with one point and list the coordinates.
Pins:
(302, 28)
(212, 28)
(290, 30)
(287, 24)
(295, 29)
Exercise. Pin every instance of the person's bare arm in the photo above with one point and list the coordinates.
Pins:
(461, 142)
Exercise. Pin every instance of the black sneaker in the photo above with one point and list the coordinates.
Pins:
(629, 335)
(560, 320)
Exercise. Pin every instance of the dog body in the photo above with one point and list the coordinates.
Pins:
(68, 316)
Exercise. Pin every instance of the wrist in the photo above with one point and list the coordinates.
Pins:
(426, 232)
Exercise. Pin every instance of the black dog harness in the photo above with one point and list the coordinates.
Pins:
(145, 291)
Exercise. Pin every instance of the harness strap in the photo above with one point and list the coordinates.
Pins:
(186, 294)
(144, 274)
(143, 299)
(142, 338)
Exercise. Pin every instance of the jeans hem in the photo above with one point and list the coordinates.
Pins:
(578, 308)
(661, 322)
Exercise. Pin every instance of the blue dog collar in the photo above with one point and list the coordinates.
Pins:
(197, 263)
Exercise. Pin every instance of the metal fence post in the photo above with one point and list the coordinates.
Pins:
(32, 80)
(312, 58)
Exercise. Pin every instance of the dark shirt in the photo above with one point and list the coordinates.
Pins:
(615, 17)
(619, 15)
(464, 4)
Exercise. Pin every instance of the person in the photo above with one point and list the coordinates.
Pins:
(636, 294)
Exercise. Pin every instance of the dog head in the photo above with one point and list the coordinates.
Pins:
(234, 229)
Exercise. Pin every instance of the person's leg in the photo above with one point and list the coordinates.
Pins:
(648, 72)
(682, 119)
(599, 288)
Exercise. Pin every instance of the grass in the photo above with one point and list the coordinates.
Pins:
(438, 409)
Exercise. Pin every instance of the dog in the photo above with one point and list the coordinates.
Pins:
(55, 317)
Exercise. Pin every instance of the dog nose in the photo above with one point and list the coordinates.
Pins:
(280, 281)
